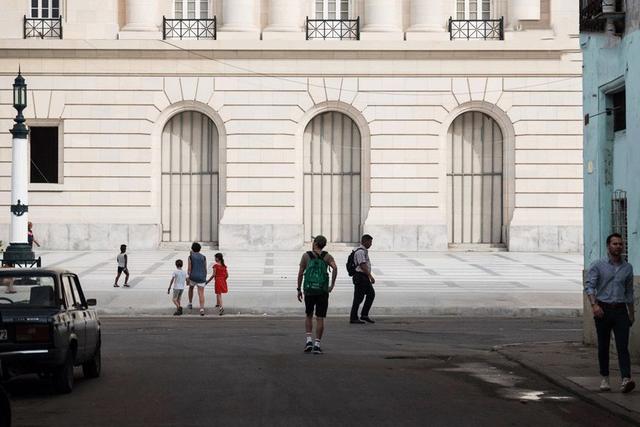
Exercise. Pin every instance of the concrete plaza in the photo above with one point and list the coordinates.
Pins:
(408, 283)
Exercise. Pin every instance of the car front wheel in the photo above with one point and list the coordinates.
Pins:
(91, 369)
(63, 376)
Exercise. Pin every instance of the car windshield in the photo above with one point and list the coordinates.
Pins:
(27, 291)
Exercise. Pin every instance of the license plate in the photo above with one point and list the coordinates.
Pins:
(3, 334)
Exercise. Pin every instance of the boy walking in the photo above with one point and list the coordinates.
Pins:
(313, 269)
(123, 261)
(178, 281)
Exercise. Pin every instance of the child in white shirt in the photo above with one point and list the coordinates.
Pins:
(178, 281)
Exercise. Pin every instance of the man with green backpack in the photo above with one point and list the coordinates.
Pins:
(313, 283)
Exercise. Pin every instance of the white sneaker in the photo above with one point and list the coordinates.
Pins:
(604, 384)
(627, 385)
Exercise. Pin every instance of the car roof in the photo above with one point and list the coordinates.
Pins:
(34, 271)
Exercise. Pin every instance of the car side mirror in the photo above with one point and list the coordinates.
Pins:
(91, 302)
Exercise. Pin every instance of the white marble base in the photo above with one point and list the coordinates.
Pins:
(238, 35)
(283, 237)
(439, 35)
(81, 237)
(408, 237)
(140, 35)
(545, 238)
(283, 35)
(382, 35)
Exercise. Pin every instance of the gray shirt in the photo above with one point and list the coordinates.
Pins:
(361, 255)
(609, 282)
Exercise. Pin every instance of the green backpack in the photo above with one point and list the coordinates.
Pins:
(316, 278)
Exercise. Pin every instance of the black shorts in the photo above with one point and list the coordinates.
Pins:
(123, 269)
(320, 302)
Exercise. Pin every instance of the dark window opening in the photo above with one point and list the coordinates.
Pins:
(44, 154)
(619, 107)
(619, 217)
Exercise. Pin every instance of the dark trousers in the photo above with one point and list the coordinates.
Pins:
(362, 288)
(616, 320)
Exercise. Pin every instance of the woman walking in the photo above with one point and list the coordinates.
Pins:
(197, 271)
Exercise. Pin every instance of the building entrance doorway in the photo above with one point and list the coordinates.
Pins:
(190, 171)
(475, 180)
(332, 178)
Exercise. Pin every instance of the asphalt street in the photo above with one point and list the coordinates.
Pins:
(251, 371)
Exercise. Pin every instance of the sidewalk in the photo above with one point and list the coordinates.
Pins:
(408, 283)
(574, 367)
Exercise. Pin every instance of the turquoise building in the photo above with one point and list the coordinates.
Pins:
(610, 41)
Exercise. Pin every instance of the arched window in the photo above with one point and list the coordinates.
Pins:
(473, 9)
(475, 180)
(190, 169)
(191, 9)
(332, 178)
(45, 8)
(332, 9)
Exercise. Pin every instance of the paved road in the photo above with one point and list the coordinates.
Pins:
(408, 283)
(251, 372)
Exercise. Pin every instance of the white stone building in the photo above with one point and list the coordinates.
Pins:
(262, 128)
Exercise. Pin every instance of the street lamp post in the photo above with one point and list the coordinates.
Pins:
(19, 251)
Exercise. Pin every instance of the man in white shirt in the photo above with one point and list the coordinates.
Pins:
(363, 282)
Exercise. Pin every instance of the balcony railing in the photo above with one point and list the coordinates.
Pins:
(594, 19)
(189, 28)
(43, 28)
(486, 29)
(340, 29)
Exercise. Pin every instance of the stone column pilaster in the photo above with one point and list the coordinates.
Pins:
(383, 17)
(142, 20)
(427, 15)
(523, 10)
(285, 20)
(240, 15)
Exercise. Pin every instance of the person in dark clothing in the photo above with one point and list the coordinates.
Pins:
(363, 282)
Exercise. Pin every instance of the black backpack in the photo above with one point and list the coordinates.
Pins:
(351, 262)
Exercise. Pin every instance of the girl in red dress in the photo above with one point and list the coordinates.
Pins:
(220, 275)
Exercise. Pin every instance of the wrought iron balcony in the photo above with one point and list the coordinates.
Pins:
(189, 28)
(43, 28)
(485, 29)
(339, 29)
(593, 16)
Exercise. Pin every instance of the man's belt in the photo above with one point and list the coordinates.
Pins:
(612, 304)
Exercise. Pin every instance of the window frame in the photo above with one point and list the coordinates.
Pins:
(49, 9)
(198, 9)
(53, 186)
(340, 14)
(466, 13)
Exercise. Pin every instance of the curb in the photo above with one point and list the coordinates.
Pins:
(573, 388)
(495, 312)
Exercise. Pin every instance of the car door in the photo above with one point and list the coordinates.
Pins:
(90, 317)
(74, 311)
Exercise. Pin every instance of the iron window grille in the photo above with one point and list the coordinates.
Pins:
(43, 28)
(485, 29)
(339, 29)
(619, 217)
(189, 28)
(594, 19)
